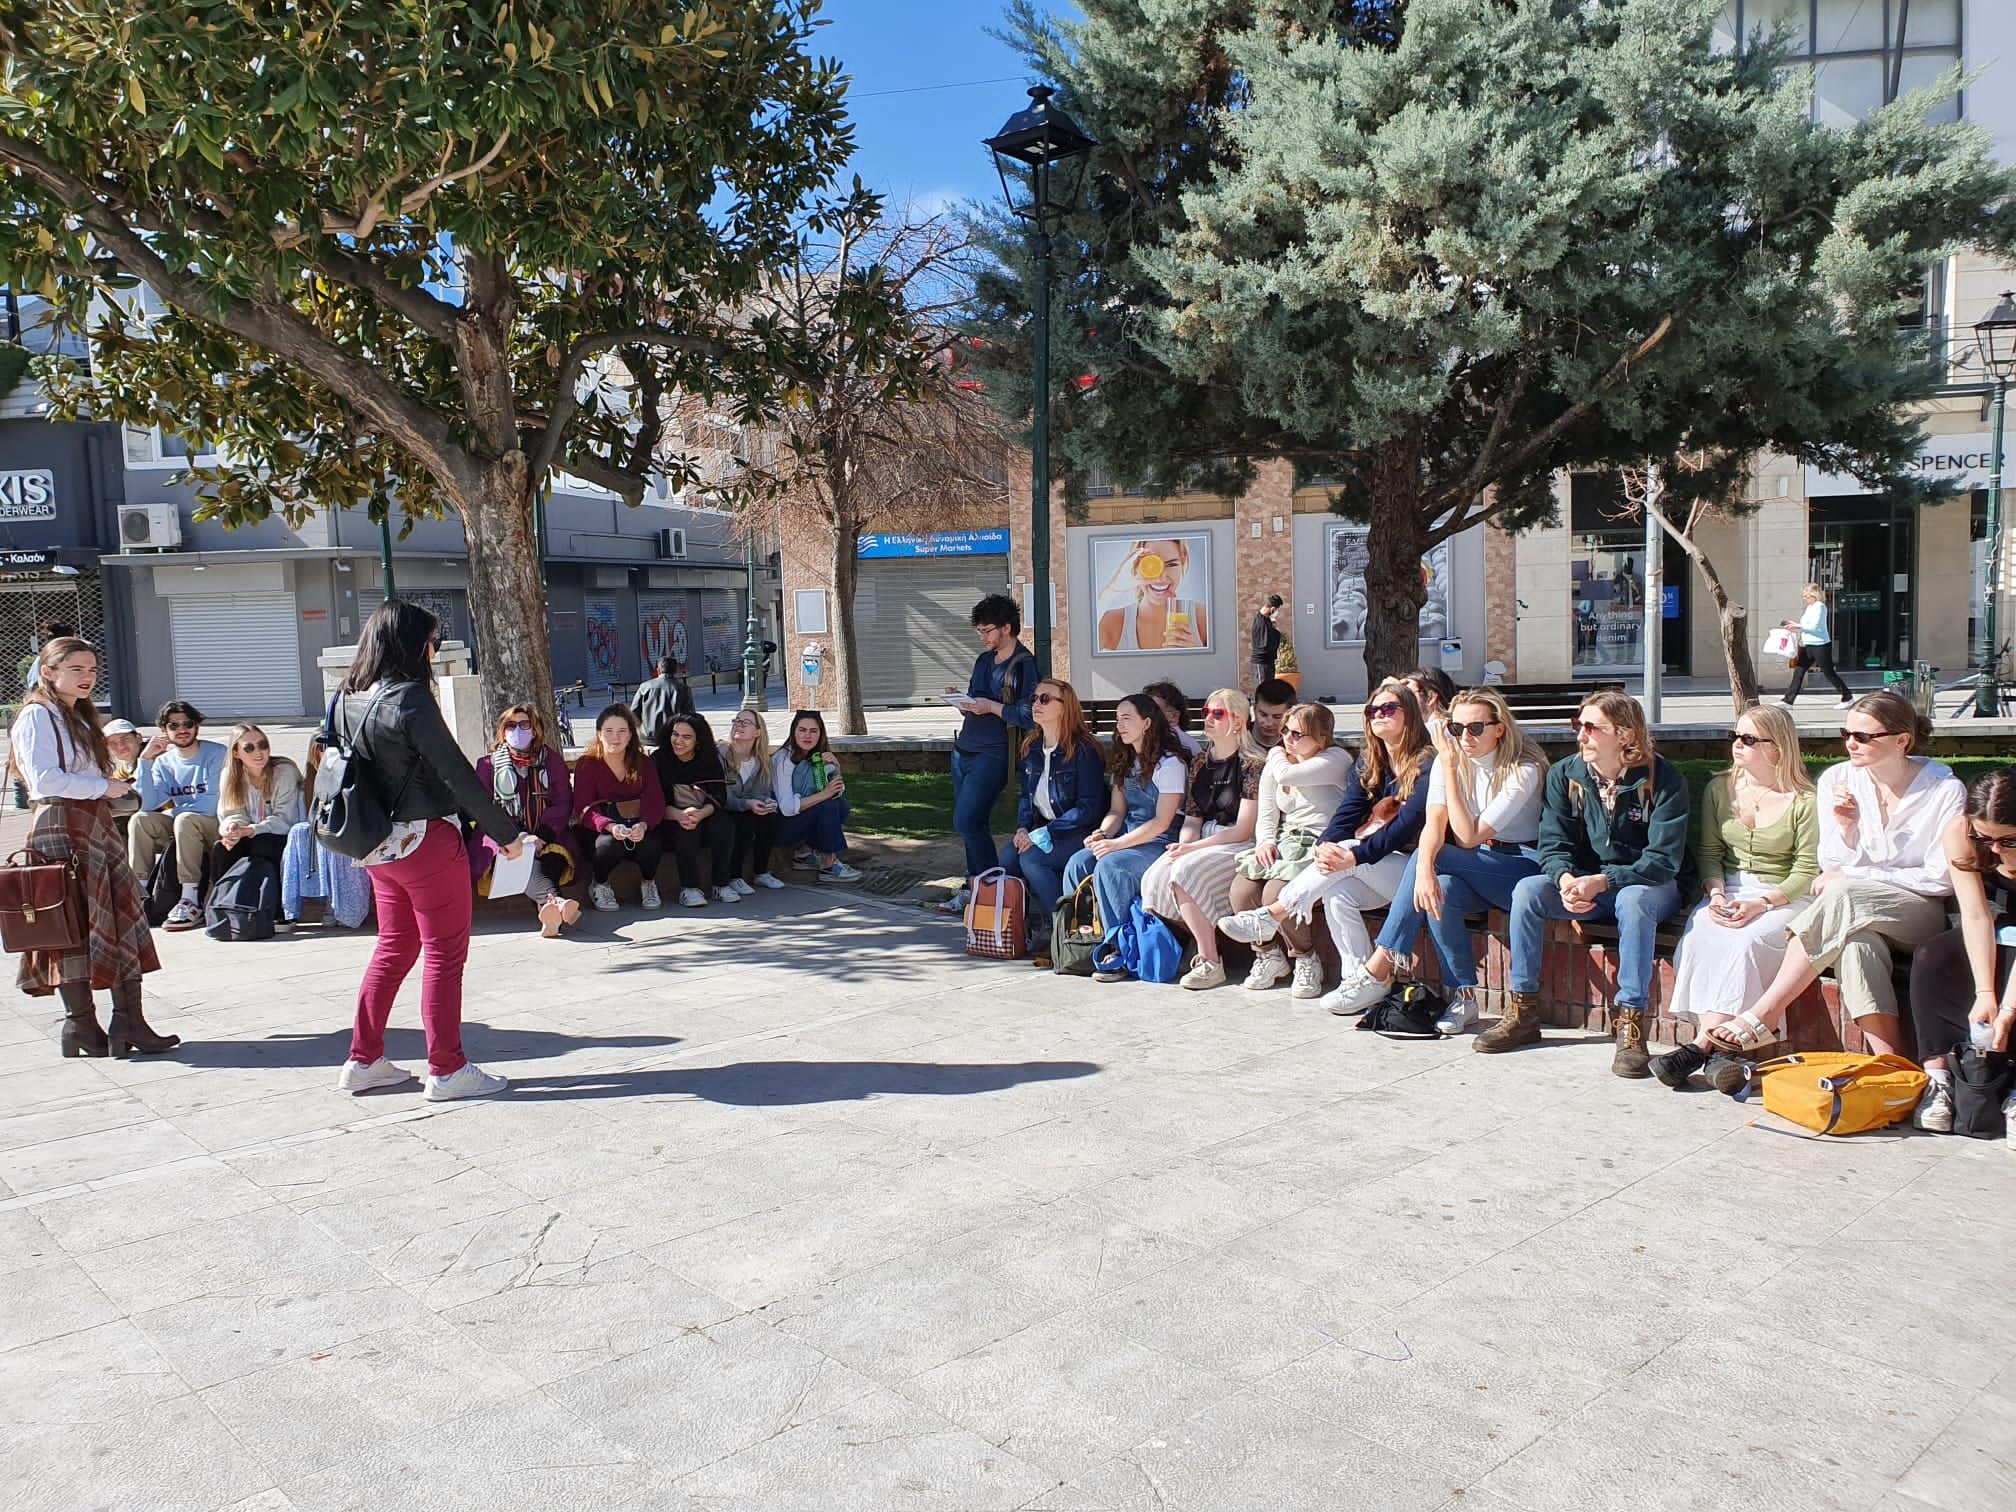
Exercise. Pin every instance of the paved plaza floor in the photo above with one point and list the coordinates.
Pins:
(793, 1207)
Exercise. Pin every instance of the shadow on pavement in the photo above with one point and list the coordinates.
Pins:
(405, 1045)
(770, 1084)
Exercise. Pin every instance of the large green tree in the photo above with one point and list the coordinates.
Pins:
(1438, 251)
(423, 250)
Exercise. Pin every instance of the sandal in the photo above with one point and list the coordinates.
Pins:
(1741, 1035)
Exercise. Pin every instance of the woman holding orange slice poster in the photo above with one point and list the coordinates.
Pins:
(1147, 591)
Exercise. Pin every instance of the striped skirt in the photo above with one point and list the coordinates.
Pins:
(1206, 875)
(118, 946)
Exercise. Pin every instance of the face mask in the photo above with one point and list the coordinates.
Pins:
(519, 738)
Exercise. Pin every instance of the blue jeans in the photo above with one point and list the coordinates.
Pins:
(824, 827)
(977, 780)
(1472, 881)
(1116, 877)
(1636, 911)
(1042, 875)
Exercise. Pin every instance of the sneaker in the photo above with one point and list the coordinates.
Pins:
(1676, 1067)
(357, 1077)
(1846, 703)
(1253, 927)
(744, 890)
(1115, 974)
(1935, 1109)
(650, 898)
(1460, 1014)
(603, 896)
(471, 1081)
(1358, 991)
(184, 915)
(1308, 982)
(692, 897)
(1726, 1073)
(956, 904)
(839, 871)
(1270, 964)
(727, 894)
(804, 860)
(1205, 974)
(764, 879)
(283, 926)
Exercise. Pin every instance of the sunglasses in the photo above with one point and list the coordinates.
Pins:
(1475, 727)
(1999, 843)
(1046, 698)
(1866, 737)
(517, 724)
(1293, 734)
(175, 725)
(1584, 727)
(1381, 710)
(255, 745)
(1213, 716)
(1752, 740)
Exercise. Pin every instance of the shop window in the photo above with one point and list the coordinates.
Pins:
(1863, 52)
(1607, 584)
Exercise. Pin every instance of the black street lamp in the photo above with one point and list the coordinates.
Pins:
(755, 691)
(1039, 139)
(1995, 335)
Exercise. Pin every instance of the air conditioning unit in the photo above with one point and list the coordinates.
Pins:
(671, 543)
(149, 527)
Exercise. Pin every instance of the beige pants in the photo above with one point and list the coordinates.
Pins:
(1852, 927)
(192, 834)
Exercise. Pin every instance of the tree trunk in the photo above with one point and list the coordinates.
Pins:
(1394, 589)
(1732, 619)
(846, 656)
(507, 601)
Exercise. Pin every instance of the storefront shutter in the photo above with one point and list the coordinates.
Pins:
(237, 653)
(912, 623)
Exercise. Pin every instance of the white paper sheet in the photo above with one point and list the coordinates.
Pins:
(508, 877)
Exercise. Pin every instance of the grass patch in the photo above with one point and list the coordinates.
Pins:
(914, 805)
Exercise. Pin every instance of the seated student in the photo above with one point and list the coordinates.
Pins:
(1436, 691)
(1175, 709)
(1613, 847)
(1758, 852)
(1192, 880)
(1271, 702)
(1363, 851)
(696, 808)
(811, 797)
(179, 776)
(618, 807)
(528, 779)
(260, 800)
(1147, 788)
(1477, 845)
(1883, 880)
(1962, 988)
(1064, 793)
(1300, 788)
(752, 802)
(309, 870)
(122, 739)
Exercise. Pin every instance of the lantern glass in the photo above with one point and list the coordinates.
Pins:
(1995, 335)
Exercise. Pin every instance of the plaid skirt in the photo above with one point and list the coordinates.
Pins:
(119, 946)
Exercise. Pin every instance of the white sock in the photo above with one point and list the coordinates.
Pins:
(188, 892)
(1943, 1075)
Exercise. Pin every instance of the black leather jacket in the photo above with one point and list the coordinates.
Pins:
(418, 770)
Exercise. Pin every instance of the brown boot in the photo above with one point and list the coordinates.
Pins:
(1628, 1027)
(1518, 1025)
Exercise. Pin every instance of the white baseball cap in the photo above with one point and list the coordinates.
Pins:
(121, 727)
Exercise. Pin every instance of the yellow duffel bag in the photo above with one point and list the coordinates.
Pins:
(1833, 1092)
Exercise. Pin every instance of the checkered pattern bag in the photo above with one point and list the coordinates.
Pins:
(995, 915)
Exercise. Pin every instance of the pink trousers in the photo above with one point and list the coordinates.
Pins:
(424, 903)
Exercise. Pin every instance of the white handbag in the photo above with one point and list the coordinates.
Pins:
(1782, 642)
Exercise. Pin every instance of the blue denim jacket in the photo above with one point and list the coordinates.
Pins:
(1009, 684)
(1079, 791)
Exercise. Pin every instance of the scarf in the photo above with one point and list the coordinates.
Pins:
(519, 784)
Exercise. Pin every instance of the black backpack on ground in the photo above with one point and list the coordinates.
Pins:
(245, 903)
(161, 888)
(1409, 1011)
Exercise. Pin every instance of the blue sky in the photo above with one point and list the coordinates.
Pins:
(918, 140)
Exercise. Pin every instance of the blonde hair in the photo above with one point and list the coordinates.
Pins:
(1515, 747)
(1788, 766)
(1242, 715)
(1415, 749)
(758, 747)
(1315, 721)
(1814, 589)
(1634, 737)
(233, 791)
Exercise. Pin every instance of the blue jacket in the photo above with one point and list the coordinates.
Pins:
(1080, 790)
(1009, 684)
(1400, 833)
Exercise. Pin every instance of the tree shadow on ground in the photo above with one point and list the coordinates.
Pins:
(483, 1044)
(826, 949)
(772, 1084)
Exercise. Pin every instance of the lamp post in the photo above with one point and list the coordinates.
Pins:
(385, 553)
(1995, 335)
(1040, 138)
(755, 695)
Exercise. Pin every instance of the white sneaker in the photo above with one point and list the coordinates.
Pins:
(1203, 975)
(743, 889)
(1269, 966)
(650, 898)
(764, 879)
(839, 871)
(726, 894)
(1358, 991)
(1308, 977)
(603, 896)
(357, 1077)
(1935, 1109)
(956, 904)
(1253, 927)
(692, 897)
(471, 1081)
(1846, 703)
(1460, 1014)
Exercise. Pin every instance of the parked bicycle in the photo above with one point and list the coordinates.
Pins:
(1968, 690)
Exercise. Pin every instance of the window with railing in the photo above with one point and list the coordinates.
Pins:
(1863, 53)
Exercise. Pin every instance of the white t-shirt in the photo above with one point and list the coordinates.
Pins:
(1042, 794)
(1170, 775)
(1513, 812)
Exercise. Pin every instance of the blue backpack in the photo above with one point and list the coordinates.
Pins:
(1144, 946)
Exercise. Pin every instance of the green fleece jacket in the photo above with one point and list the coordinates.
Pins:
(1642, 844)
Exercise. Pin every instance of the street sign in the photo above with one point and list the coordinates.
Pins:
(939, 543)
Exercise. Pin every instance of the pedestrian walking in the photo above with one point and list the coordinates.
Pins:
(1816, 647)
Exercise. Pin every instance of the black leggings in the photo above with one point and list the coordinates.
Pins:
(611, 853)
(710, 835)
(1942, 990)
(754, 838)
(1822, 657)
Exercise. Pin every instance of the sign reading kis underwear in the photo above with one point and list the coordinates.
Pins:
(939, 543)
(31, 495)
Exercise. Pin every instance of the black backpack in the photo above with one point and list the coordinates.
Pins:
(245, 903)
(347, 814)
(1409, 1011)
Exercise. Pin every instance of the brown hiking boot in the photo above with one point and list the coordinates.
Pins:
(1518, 1025)
(1628, 1026)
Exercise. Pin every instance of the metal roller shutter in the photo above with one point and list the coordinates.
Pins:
(237, 653)
(911, 623)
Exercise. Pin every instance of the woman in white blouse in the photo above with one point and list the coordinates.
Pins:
(1484, 798)
(1883, 880)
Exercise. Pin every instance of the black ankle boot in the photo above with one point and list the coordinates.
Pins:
(130, 1032)
(81, 1035)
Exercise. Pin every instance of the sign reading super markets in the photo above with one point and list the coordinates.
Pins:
(940, 543)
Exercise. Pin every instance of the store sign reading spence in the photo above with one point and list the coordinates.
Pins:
(28, 495)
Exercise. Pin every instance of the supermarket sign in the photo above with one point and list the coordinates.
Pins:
(937, 544)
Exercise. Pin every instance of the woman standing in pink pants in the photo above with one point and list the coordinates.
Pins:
(420, 875)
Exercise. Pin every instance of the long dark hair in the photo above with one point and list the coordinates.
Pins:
(393, 647)
(1991, 796)
(791, 736)
(1414, 749)
(1159, 742)
(705, 761)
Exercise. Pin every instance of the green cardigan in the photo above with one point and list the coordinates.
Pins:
(1785, 855)
(1642, 845)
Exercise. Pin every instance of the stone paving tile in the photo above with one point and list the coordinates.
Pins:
(182, 1196)
(50, 1299)
(173, 1457)
(24, 1240)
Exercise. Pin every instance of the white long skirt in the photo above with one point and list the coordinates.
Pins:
(1724, 970)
